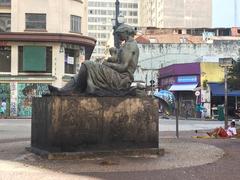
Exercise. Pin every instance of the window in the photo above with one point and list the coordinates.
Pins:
(5, 2)
(5, 59)
(75, 24)
(5, 22)
(135, 21)
(79, 1)
(36, 21)
(70, 60)
(135, 5)
(35, 59)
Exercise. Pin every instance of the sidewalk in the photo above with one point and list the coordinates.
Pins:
(196, 119)
(15, 161)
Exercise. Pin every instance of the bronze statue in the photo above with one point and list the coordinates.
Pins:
(112, 77)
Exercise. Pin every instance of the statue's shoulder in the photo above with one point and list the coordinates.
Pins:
(131, 44)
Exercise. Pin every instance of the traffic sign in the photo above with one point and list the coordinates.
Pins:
(197, 93)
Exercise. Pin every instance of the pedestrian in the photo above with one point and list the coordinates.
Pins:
(3, 107)
(203, 110)
(221, 132)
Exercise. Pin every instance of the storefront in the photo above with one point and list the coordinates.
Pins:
(182, 80)
(217, 98)
(32, 61)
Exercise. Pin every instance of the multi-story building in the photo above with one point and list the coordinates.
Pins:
(176, 13)
(161, 50)
(100, 15)
(41, 42)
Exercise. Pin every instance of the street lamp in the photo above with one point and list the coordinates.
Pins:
(119, 19)
(225, 63)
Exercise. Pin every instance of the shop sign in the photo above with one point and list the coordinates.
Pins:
(205, 96)
(187, 79)
(226, 62)
(70, 60)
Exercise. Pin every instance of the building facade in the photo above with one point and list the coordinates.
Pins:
(154, 56)
(210, 73)
(176, 13)
(182, 79)
(100, 15)
(41, 43)
(195, 84)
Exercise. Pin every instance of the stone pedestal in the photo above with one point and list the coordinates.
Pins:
(75, 123)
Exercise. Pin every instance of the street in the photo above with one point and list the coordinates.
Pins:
(15, 129)
(185, 158)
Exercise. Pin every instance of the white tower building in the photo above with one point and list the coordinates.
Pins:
(100, 14)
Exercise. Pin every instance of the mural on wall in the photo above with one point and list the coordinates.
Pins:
(187, 108)
(26, 91)
(13, 99)
(5, 96)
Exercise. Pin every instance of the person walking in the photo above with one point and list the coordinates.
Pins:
(3, 107)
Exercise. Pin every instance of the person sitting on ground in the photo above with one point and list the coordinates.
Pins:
(225, 133)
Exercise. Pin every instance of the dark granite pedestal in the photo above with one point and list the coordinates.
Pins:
(89, 125)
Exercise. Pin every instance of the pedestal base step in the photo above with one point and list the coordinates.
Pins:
(95, 154)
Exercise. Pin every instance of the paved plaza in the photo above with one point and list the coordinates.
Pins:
(185, 158)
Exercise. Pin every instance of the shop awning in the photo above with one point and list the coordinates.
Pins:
(217, 89)
(183, 87)
(166, 96)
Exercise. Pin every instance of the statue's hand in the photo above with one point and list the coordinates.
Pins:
(105, 63)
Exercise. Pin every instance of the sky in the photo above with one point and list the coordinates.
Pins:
(224, 14)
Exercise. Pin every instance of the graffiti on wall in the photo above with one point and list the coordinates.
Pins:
(187, 108)
(13, 100)
(5, 95)
(26, 91)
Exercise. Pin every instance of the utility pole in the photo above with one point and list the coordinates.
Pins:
(226, 63)
(116, 40)
(225, 99)
(235, 13)
(177, 114)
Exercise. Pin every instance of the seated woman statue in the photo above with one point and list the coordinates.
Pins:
(108, 78)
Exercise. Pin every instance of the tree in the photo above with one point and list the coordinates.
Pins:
(234, 76)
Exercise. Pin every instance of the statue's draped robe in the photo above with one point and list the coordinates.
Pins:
(105, 81)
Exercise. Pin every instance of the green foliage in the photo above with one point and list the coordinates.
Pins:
(234, 76)
(205, 84)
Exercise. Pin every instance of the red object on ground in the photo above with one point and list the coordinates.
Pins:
(222, 132)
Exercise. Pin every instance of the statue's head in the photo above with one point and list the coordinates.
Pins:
(126, 29)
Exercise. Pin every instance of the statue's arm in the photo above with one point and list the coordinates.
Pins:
(117, 67)
(126, 58)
